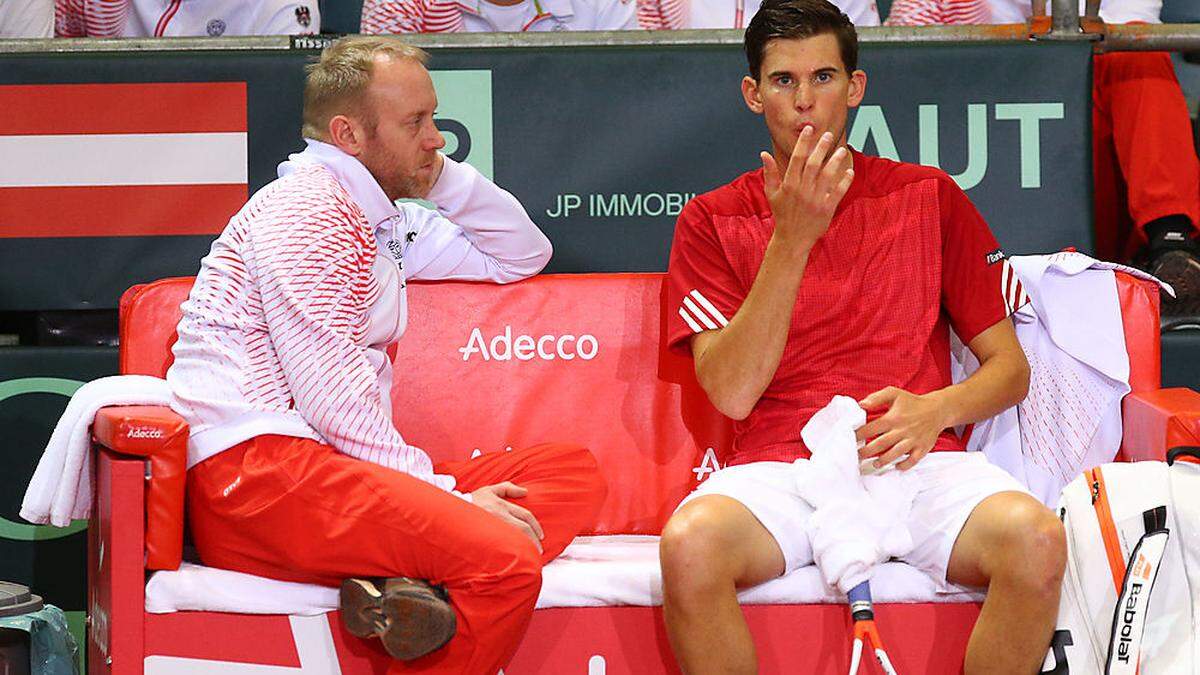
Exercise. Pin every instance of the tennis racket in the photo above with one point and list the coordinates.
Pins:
(865, 632)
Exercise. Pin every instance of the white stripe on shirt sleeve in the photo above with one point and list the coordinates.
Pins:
(690, 321)
(716, 313)
(1005, 271)
(699, 314)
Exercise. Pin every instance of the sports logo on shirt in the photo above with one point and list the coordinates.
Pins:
(700, 314)
(995, 256)
(464, 116)
(215, 28)
(303, 16)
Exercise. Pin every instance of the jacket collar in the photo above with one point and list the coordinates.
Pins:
(352, 175)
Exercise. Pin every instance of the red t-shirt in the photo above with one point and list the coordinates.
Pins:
(906, 258)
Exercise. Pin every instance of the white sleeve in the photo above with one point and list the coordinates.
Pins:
(861, 12)
(616, 15)
(1129, 11)
(26, 18)
(480, 232)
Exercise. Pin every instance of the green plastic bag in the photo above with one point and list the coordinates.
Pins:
(52, 647)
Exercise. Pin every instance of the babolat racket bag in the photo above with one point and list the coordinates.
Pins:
(1130, 601)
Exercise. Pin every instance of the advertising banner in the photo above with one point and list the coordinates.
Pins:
(121, 168)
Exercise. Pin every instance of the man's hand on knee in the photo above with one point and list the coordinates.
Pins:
(494, 500)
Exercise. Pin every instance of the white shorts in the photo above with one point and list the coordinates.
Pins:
(952, 484)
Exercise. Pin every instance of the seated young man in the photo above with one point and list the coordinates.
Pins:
(830, 272)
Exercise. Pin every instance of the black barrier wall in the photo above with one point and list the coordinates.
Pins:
(35, 384)
(602, 144)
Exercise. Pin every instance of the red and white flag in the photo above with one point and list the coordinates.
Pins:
(117, 160)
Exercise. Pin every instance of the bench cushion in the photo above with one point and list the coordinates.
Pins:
(620, 570)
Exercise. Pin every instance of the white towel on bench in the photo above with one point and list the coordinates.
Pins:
(592, 572)
(62, 485)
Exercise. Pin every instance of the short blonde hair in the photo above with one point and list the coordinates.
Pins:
(337, 82)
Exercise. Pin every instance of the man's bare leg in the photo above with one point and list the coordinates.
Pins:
(1017, 548)
(710, 548)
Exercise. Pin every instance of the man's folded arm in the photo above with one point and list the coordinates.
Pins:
(316, 284)
(735, 363)
(480, 232)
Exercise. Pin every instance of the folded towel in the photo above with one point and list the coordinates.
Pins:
(597, 571)
(61, 488)
(208, 589)
(858, 521)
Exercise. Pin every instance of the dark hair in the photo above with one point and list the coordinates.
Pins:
(799, 19)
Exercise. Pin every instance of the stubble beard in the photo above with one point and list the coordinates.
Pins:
(406, 187)
(396, 184)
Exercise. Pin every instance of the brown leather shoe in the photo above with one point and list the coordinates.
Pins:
(1181, 269)
(411, 617)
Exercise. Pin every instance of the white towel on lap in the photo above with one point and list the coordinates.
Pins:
(858, 521)
(61, 488)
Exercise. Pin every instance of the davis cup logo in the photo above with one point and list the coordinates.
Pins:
(465, 116)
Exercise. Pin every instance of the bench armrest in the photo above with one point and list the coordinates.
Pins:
(1156, 421)
(159, 435)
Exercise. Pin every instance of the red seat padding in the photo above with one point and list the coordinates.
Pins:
(1156, 421)
(149, 314)
(601, 379)
(159, 435)
(636, 406)
(1139, 315)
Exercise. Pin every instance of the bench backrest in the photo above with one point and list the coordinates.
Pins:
(568, 358)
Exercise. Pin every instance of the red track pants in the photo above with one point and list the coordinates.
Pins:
(1142, 150)
(297, 510)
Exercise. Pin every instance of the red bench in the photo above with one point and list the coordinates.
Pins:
(560, 357)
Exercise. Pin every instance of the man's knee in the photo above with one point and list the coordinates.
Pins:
(595, 485)
(509, 560)
(695, 549)
(579, 463)
(1033, 546)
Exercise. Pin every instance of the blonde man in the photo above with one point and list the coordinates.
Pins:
(295, 470)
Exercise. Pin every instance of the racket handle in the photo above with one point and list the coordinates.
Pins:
(861, 608)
